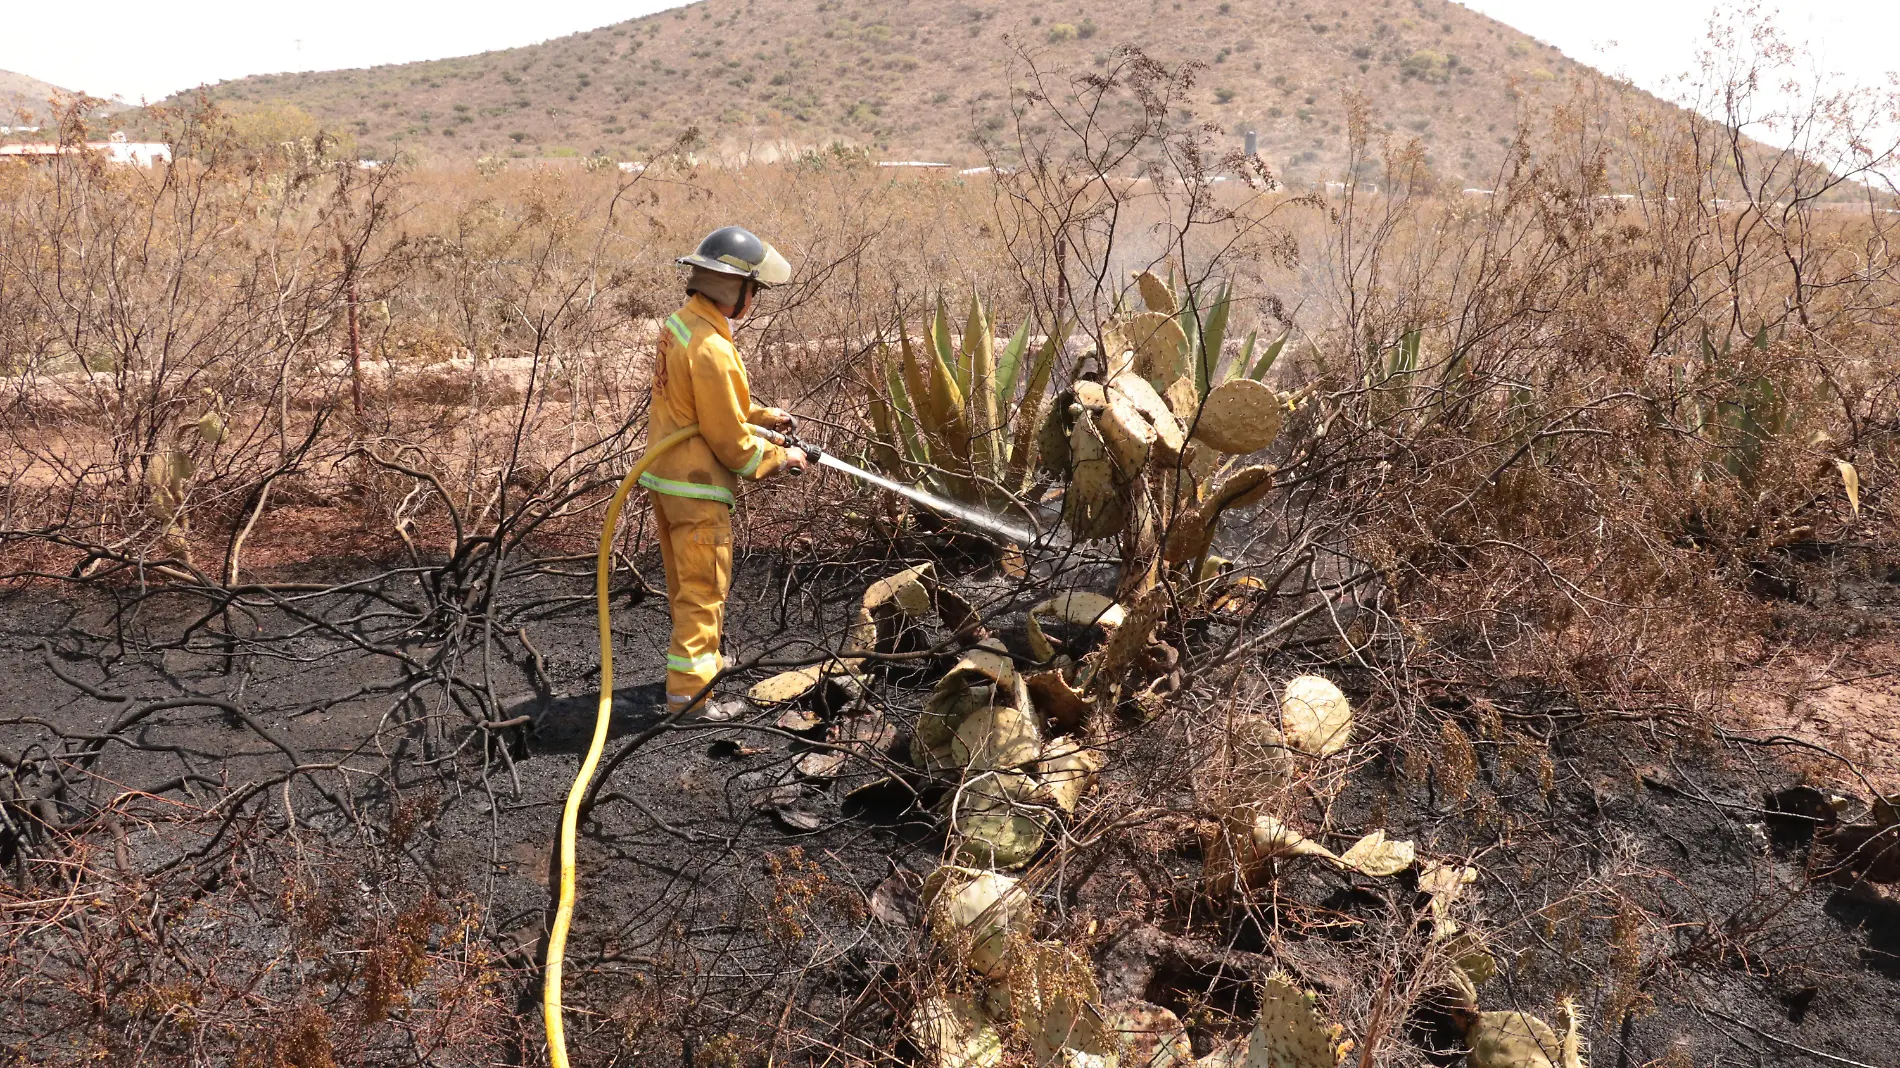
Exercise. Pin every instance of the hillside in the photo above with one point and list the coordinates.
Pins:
(913, 80)
(21, 95)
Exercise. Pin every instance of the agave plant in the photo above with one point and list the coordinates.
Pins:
(961, 418)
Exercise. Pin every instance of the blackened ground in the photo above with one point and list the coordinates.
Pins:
(730, 905)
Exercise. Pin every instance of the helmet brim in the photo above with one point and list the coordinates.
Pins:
(771, 271)
(707, 263)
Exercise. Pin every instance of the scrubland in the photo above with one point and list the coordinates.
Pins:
(305, 462)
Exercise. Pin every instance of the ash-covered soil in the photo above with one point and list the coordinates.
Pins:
(741, 899)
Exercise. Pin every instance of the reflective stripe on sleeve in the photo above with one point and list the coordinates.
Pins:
(758, 456)
(686, 489)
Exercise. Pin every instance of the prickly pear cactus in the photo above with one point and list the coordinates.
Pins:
(977, 914)
(1290, 1033)
(1511, 1040)
(953, 1031)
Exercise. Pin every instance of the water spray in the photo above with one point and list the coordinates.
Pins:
(969, 515)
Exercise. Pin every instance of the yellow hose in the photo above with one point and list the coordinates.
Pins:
(570, 816)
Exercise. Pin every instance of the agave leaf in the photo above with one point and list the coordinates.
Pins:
(979, 353)
(1403, 358)
(940, 344)
(1009, 364)
(1029, 416)
(916, 384)
(942, 408)
(1772, 414)
(1239, 366)
(978, 344)
(1190, 320)
(1267, 358)
(884, 428)
(909, 430)
(1213, 337)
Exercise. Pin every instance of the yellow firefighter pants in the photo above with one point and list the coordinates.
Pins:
(696, 547)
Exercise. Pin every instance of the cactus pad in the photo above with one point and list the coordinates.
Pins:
(1155, 293)
(976, 913)
(1271, 838)
(1150, 1036)
(1316, 716)
(1170, 437)
(1067, 771)
(1289, 1034)
(1160, 347)
(1128, 435)
(786, 685)
(1511, 1040)
(1095, 507)
(996, 737)
(1377, 855)
(952, 1031)
(995, 820)
(1240, 416)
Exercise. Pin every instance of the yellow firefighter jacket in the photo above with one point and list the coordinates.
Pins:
(697, 378)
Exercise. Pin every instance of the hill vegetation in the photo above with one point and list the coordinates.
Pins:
(24, 98)
(763, 77)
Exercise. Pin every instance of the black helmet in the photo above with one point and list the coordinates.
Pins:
(738, 251)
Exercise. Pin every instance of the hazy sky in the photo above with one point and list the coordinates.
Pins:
(147, 49)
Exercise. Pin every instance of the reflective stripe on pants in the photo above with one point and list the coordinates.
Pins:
(696, 547)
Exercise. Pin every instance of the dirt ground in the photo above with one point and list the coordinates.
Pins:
(734, 906)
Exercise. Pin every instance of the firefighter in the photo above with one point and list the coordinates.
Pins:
(699, 378)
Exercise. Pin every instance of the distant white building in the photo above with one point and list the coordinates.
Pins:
(142, 153)
(116, 149)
